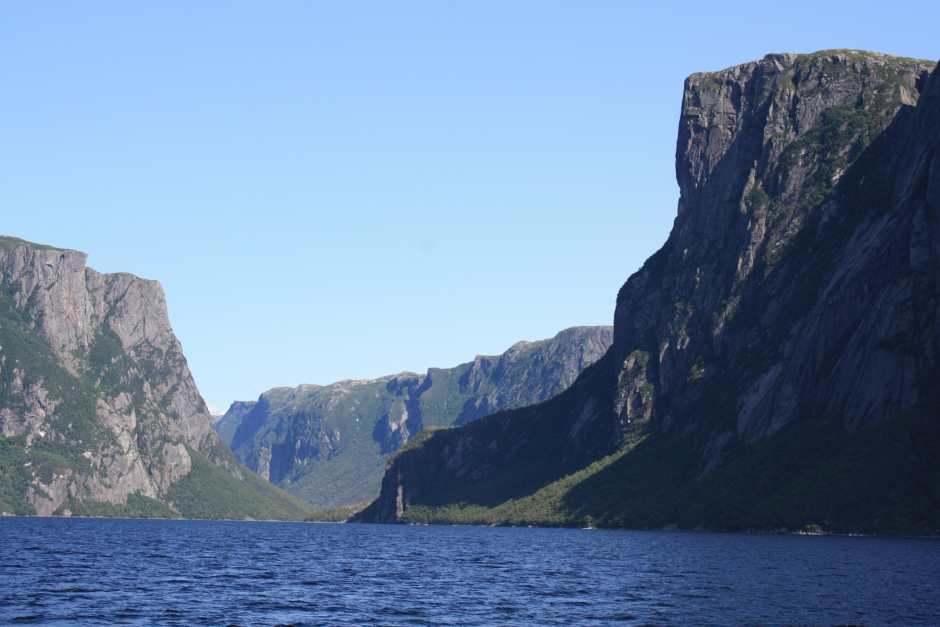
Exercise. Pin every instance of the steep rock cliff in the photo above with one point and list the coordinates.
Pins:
(775, 363)
(98, 408)
(328, 444)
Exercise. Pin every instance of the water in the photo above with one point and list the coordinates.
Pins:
(195, 572)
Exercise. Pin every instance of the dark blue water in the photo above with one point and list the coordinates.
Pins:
(193, 572)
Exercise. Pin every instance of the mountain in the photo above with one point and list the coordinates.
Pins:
(775, 363)
(99, 414)
(328, 444)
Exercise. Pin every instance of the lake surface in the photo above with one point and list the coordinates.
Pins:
(199, 572)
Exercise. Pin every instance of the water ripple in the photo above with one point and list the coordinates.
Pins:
(210, 573)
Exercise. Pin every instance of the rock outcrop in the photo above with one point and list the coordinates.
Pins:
(97, 403)
(774, 364)
(328, 444)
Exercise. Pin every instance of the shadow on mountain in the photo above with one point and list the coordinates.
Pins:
(884, 478)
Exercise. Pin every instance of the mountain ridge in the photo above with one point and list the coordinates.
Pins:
(328, 443)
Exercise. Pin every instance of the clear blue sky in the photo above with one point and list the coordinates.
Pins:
(333, 190)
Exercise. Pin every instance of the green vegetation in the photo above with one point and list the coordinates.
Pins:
(757, 198)
(21, 349)
(866, 54)
(34, 381)
(329, 483)
(24, 354)
(328, 477)
(9, 243)
(13, 479)
(48, 459)
(210, 491)
(546, 507)
(107, 361)
(710, 82)
(697, 372)
(137, 506)
(813, 475)
(418, 439)
(443, 399)
(880, 479)
(840, 137)
(329, 445)
(336, 514)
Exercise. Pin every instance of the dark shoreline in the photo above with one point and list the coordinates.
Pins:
(745, 532)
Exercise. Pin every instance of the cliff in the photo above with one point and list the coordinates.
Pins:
(775, 363)
(328, 444)
(99, 413)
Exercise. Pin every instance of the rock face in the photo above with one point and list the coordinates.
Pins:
(226, 424)
(775, 364)
(97, 404)
(328, 444)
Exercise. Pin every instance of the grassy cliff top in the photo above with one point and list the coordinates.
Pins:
(864, 54)
(9, 243)
(838, 54)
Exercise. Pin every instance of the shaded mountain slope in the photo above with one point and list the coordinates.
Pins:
(775, 363)
(328, 444)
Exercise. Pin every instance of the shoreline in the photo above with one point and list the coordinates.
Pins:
(744, 532)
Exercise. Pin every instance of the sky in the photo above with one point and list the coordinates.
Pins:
(334, 190)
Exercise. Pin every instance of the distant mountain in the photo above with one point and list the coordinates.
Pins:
(776, 364)
(99, 414)
(328, 444)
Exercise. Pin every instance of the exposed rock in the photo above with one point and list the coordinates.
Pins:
(786, 327)
(97, 403)
(227, 423)
(327, 444)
